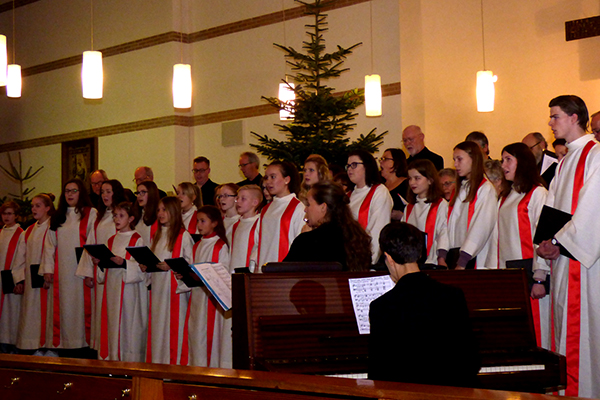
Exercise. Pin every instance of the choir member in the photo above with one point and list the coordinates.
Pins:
(472, 212)
(191, 200)
(124, 314)
(145, 209)
(244, 236)
(34, 331)
(370, 202)
(427, 209)
(225, 201)
(315, 170)
(448, 182)
(12, 260)
(71, 305)
(393, 170)
(521, 202)
(335, 236)
(169, 296)
(282, 219)
(209, 325)
(267, 198)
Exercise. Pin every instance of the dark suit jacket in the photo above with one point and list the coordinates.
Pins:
(427, 154)
(255, 181)
(421, 333)
(208, 193)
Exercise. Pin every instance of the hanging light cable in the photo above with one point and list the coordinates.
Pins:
(286, 94)
(3, 60)
(485, 90)
(182, 74)
(13, 71)
(372, 82)
(92, 77)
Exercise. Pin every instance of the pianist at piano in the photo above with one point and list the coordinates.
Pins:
(420, 329)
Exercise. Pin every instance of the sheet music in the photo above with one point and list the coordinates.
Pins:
(217, 280)
(363, 291)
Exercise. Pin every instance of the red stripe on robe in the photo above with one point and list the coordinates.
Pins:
(12, 246)
(363, 212)
(43, 292)
(429, 222)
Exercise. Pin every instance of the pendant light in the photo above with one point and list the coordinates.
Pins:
(13, 71)
(286, 94)
(182, 74)
(485, 90)
(372, 82)
(3, 60)
(92, 77)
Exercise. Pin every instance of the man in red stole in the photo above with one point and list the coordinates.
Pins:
(575, 295)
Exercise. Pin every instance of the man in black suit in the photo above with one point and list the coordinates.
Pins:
(539, 147)
(420, 330)
(413, 139)
(145, 174)
(207, 187)
(249, 164)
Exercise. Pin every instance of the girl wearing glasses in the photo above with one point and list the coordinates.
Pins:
(281, 220)
(72, 298)
(12, 264)
(472, 212)
(370, 201)
(33, 333)
(393, 171)
(225, 200)
(191, 200)
(145, 209)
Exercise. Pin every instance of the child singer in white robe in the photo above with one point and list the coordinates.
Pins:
(145, 209)
(34, 331)
(244, 237)
(191, 200)
(210, 343)
(282, 219)
(167, 336)
(225, 200)
(427, 209)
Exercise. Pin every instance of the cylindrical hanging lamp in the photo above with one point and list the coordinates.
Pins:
(287, 96)
(485, 91)
(3, 60)
(13, 81)
(373, 95)
(182, 86)
(91, 75)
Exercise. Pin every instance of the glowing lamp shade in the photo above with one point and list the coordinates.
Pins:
(91, 75)
(13, 81)
(182, 86)
(373, 95)
(3, 60)
(485, 91)
(287, 96)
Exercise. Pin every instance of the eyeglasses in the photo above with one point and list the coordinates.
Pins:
(382, 159)
(142, 192)
(531, 147)
(201, 170)
(225, 195)
(448, 184)
(69, 191)
(408, 140)
(97, 183)
(243, 165)
(352, 165)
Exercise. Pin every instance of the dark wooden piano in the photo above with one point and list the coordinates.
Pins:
(299, 322)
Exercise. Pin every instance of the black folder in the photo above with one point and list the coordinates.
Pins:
(452, 259)
(78, 253)
(527, 265)
(37, 281)
(551, 221)
(196, 237)
(101, 252)
(8, 284)
(143, 255)
(181, 266)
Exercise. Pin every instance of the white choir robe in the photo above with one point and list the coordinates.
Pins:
(228, 222)
(102, 232)
(143, 229)
(221, 348)
(187, 217)
(270, 229)
(580, 237)
(127, 315)
(62, 243)
(418, 218)
(506, 245)
(160, 302)
(11, 303)
(30, 323)
(476, 239)
(380, 213)
(240, 242)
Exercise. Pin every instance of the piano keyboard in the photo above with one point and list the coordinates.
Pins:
(484, 370)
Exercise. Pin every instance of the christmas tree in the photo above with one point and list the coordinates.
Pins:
(321, 118)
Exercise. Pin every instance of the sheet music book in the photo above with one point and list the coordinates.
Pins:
(143, 255)
(37, 281)
(181, 266)
(363, 291)
(8, 284)
(101, 252)
(217, 280)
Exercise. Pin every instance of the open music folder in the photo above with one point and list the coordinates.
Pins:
(217, 280)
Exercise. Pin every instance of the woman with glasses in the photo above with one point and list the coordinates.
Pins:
(225, 199)
(393, 170)
(281, 220)
(70, 226)
(145, 209)
(370, 201)
(191, 200)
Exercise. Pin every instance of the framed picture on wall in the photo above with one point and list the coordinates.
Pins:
(79, 159)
